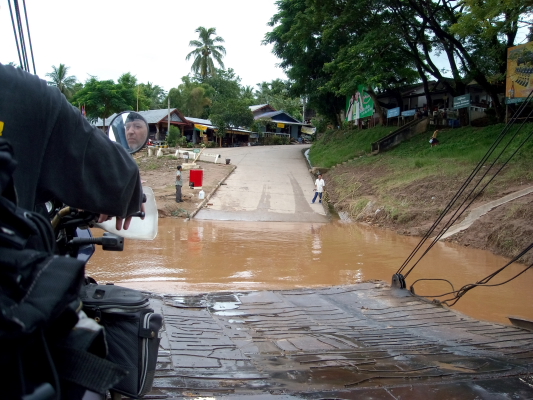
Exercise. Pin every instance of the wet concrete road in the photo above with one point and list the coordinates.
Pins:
(271, 183)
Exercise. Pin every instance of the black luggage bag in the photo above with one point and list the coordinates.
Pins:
(132, 333)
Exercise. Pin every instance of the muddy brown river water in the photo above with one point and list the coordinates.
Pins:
(206, 256)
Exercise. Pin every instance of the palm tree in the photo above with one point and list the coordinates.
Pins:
(206, 50)
(59, 77)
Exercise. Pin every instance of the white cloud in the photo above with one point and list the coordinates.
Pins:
(150, 39)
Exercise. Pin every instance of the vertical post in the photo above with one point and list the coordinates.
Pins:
(506, 113)
(168, 116)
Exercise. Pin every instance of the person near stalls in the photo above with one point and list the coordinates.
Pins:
(179, 184)
(60, 155)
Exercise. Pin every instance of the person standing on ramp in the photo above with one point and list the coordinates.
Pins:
(179, 184)
(319, 188)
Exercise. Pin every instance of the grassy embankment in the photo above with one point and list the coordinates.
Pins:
(389, 177)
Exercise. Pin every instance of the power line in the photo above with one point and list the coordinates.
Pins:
(18, 31)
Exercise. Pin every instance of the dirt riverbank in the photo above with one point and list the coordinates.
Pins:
(411, 209)
(159, 174)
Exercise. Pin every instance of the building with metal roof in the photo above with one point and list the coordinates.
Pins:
(277, 122)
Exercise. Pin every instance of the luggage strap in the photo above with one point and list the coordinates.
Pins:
(87, 370)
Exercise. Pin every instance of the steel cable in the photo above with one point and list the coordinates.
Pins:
(458, 214)
(467, 182)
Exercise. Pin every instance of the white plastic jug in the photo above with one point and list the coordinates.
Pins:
(201, 195)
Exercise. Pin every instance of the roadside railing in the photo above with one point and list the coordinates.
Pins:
(405, 132)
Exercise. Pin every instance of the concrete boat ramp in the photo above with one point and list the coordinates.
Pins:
(362, 341)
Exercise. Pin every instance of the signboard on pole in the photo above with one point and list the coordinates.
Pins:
(461, 101)
(519, 80)
(408, 113)
(393, 112)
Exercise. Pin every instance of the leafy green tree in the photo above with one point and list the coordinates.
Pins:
(131, 92)
(197, 101)
(247, 94)
(490, 27)
(102, 98)
(226, 85)
(329, 46)
(373, 53)
(127, 80)
(230, 114)
(175, 98)
(191, 97)
(277, 94)
(206, 50)
(174, 137)
(469, 61)
(60, 79)
(76, 88)
(154, 94)
(298, 41)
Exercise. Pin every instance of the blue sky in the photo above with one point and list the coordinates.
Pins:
(150, 39)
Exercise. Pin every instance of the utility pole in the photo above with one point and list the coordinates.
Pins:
(168, 117)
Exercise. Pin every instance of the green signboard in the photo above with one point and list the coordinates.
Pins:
(196, 150)
(360, 105)
(461, 101)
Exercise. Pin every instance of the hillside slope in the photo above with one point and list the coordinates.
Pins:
(407, 188)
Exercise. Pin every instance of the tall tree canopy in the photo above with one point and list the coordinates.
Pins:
(154, 94)
(329, 46)
(232, 113)
(206, 51)
(60, 79)
(277, 94)
(193, 98)
(298, 41)
(103, 98)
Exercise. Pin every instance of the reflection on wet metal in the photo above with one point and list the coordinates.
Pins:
(210, 256)
(224, 306)
(228, 313)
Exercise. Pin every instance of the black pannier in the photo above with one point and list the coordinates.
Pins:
(132, 333)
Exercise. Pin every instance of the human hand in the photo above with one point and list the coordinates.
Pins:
(120, 222)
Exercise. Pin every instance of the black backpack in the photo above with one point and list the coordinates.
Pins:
(46, 350)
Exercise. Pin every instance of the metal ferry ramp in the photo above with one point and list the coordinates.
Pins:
(364, 341)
